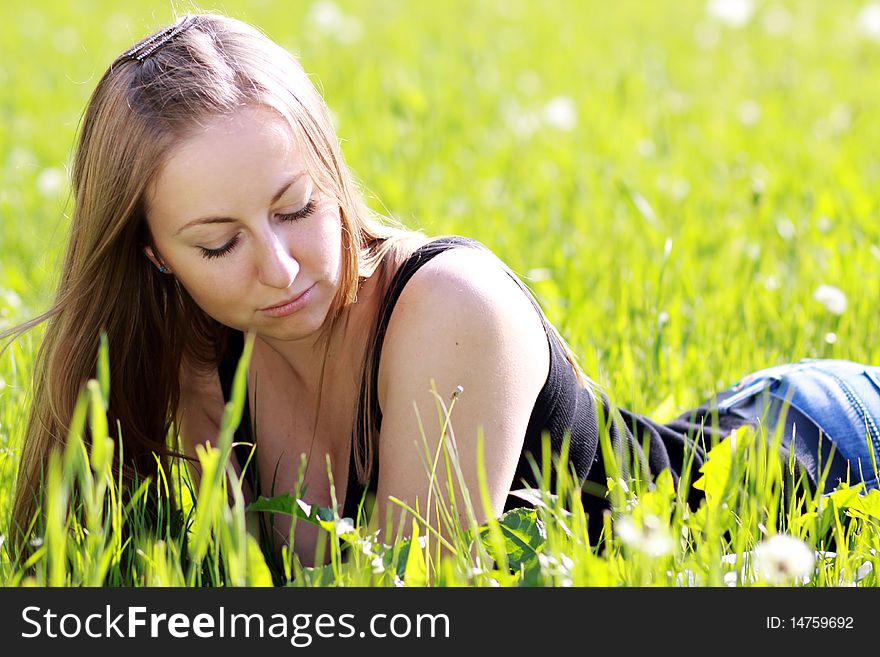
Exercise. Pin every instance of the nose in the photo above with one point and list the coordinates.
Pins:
(276, 267)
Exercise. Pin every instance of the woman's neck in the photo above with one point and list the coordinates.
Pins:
(334, 356)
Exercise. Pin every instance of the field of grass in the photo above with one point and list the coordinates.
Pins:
(676, 181)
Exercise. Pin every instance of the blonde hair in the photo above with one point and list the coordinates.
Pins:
(137, 113)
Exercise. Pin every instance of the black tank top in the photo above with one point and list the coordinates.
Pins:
(564, 409)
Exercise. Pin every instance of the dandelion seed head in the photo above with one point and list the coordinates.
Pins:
(784, 559)
(734, 13)
(561, 113)
(50, 181)
(771, 283)
(786, 229)
(652, 538)
(832, 298)
(627, 531)
(831, 337)
(656, 539)
(868, 20)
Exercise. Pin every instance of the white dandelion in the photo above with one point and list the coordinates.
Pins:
(786, 228)
(832, 298)
(735, 13)
(783, 559)
(561, 113)
(50, 181)
(652, 538)
(868, 21)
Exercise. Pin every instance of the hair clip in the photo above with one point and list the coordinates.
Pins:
(149, 45)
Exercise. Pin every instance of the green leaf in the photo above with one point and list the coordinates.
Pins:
(292, 506)
(524, 535)
(866, 506)
(719, 465)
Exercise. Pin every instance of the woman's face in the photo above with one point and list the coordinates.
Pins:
(236, 218)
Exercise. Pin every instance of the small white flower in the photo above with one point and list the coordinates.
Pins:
(832, 298)
(657, 539)
(652, 538)
(831, 337)
(771, 283)
(10, 298)
(50, 181)
(735, 13)
(628, 532)
(869, 20)
(786, 228)
(558, 568)
(783, 559)
(748, 112)
(561, 113)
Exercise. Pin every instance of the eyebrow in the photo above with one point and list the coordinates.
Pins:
(226, 220)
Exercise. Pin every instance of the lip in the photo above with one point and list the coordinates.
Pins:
(289, 307)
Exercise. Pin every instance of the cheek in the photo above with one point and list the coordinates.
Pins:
(215, 290)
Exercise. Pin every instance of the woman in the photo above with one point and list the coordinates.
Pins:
(212, 200)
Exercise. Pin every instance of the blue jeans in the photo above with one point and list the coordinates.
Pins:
(821, 401)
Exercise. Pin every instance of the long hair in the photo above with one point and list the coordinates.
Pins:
(139, 111)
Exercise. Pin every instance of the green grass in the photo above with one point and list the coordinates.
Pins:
(713, 179)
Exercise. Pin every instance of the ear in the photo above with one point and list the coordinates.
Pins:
(148, 251)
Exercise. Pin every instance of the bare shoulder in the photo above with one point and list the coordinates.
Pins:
(467, 279)
(464, 302)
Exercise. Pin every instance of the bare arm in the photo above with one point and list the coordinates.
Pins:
(460, 321)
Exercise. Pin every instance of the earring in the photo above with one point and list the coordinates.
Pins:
(163, 269)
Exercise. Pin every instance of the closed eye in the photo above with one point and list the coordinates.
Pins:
(306, 210)
(222, 251)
